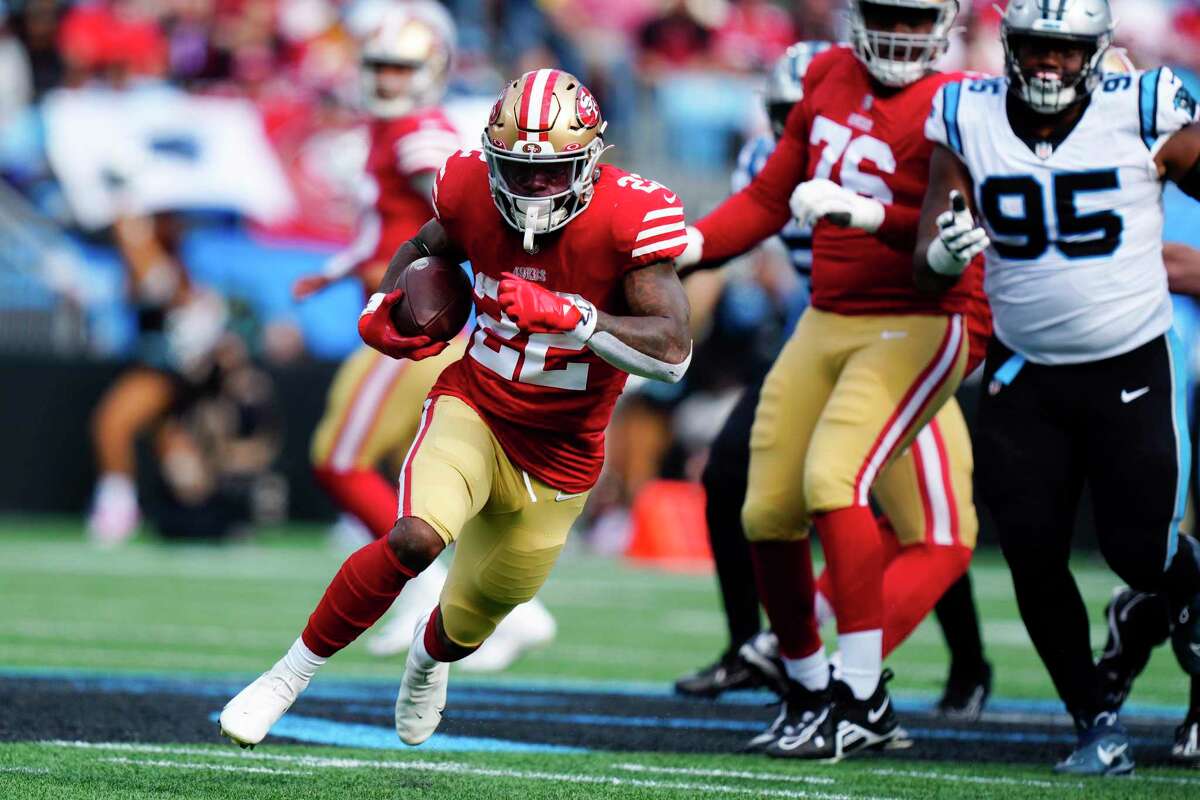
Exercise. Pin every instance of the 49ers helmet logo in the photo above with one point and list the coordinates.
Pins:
(586, 108)
(497, 107)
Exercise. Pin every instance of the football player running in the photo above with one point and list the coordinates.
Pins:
(1063, 167)
(933, 532)
(870, 363)
(374, 403)
(574, 290)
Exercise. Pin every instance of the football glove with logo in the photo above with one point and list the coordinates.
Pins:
(959, 240)
(536, 309)
(377, 330)
(820, 199)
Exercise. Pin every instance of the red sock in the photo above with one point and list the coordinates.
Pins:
(913, 583)
(363, 589)
(890, 545)
(854, 559)
(364, 493)
(783, 572)
(433, 644)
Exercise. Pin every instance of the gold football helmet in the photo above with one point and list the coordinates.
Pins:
(898, 59)
(407, 37)
(543, 142)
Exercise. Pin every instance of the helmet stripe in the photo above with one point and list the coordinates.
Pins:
(547, 97)
(526, 93)
(532, 102)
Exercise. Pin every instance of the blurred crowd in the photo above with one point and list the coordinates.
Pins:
(678, 80)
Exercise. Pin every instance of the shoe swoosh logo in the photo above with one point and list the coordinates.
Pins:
(877, 714)
(1128, 396)
(1195, 649)
(561, 498)
(1108, 755)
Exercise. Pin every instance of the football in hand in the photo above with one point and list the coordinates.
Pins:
(436, 302)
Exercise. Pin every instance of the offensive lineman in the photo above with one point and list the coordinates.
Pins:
(916, 553)
(374, 403)
(870, 363)
(1065, 166)
(574, 289)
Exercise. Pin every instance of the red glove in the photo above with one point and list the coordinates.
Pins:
(536, 309)
(376, 329)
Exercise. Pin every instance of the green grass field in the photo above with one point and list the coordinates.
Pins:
(233, 610)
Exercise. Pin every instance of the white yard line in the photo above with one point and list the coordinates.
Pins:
(140, 762)
(442, 767)
(27, 770)
(977, 779)
(726, 773)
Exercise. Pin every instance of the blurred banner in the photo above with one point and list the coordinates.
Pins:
(157, 148)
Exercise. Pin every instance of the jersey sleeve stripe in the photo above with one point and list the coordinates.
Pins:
(953, 92)
(674, 211)
(649, 233)
(657, 246)
(1149, 107)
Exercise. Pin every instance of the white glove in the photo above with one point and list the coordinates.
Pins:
(692, 251)
(823, 199)
(959, 240)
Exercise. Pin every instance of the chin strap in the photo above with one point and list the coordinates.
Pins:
(531, 218)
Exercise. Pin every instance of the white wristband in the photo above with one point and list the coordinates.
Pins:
(942, 261)
(372, 304)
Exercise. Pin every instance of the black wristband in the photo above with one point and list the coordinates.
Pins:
(421, 246)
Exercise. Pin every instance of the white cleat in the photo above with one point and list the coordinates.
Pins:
(114, 516)
(248, 717)
(422, 696)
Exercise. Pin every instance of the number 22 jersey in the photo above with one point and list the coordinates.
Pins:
(546, 400)
(1075, 271)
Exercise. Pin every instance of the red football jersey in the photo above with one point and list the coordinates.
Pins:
(547, 401)
(873, 143)
(402, 149)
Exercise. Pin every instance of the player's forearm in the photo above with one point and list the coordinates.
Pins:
(662, 338)
(431, 240)
(1183, 268)
(900, 227)
(739, 224)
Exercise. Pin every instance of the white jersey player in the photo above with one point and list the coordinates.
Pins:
(1064, 165)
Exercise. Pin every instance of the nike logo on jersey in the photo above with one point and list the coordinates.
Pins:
(1109, 753)
(1128, 397)
(560, 497)
(670, 198)
(877, 714)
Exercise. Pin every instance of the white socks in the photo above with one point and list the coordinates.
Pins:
(823, 609)
(811, 672)
(303, 662)
(862, 661)
(419, 655)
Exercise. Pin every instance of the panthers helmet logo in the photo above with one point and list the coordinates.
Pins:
(1185, 102)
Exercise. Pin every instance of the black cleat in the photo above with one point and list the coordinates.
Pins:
(800, 710)
(1137, 623)
(967, 692)
(761, 654)
(728, 673)
(1185, 637)
(846, 727)
(1104, 749)
(1187, 740)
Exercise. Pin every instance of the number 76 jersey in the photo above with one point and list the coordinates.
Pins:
(1075, 271)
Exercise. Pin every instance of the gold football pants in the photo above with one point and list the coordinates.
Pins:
(508, 527)
(846, 397)
(372, 408)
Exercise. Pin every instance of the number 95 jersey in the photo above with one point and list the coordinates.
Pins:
(1075, 271)
(546, 400)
